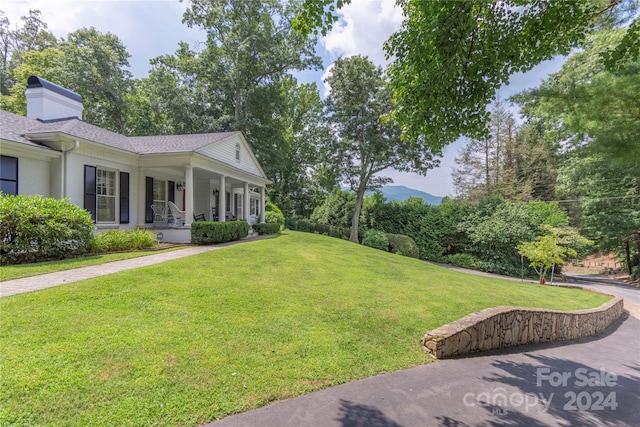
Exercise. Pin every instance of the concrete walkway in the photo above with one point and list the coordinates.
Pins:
(44, 281)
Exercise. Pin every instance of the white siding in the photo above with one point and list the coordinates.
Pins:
(34, 177)
(225, 151)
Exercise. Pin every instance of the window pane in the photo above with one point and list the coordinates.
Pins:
(159, 194)
(106, 209)
(9, 187)
(159, 190)
(9, 168)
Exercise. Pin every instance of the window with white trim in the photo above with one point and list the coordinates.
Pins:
(237, 152)
(106, 195)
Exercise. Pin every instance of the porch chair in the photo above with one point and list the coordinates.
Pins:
(178, 215)
(199, 217)
(158, 213)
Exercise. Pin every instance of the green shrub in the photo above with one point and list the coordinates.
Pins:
(403, 245)
(207, 233)
(266, 228)
(34, 228)
(464, 261)
(376, 239)
(124, 240)
(273, 214)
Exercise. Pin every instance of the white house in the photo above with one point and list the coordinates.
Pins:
(52, 152)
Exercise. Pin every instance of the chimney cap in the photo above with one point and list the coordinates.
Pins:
(35, 81)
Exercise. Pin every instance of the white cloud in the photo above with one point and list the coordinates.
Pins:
(362, 29)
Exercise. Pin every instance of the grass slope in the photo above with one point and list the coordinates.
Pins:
(199, 338)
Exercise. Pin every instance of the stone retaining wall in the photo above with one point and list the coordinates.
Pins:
(501, 327)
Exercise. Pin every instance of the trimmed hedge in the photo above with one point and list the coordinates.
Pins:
(34, 228)
(403, 245)
(207, 232)
(297, 224)
(267, 228)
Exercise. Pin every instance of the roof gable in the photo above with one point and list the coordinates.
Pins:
(225, 151)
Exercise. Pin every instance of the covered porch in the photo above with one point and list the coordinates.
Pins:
(199, 189)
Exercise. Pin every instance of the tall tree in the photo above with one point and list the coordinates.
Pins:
(595, 114)
(291, 160)
(365, 143)
(95, 66)
(249, 44)
(32, 35)
(486, 166)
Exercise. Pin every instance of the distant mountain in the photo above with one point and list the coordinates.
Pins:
(400, 193)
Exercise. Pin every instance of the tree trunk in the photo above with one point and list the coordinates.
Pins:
(628, 253)
(355, 219)
(638, 245)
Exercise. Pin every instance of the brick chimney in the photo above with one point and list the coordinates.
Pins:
(48, 101)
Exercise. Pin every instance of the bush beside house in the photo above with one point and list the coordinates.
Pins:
(34, 228)
(267, 228)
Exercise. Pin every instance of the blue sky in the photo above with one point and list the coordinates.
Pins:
(149, 28)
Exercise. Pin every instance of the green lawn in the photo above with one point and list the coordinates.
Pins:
(195, 339)
(18, 271)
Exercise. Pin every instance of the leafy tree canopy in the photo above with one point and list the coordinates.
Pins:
(450, 57)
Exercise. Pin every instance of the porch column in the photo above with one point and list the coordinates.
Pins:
(222, 196)
(188, 185)
(262, 205)
(245, 210)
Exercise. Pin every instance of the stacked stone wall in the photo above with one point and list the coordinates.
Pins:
(501, 327)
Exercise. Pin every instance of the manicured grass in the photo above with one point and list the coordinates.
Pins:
(10, 272)
(202, 337)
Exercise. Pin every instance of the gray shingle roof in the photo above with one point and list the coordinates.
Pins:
(13, 127)
(80, 129)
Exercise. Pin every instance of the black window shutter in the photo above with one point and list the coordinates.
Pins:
(90, 190)
(124, 198)
(172, 191)
(148, 200)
